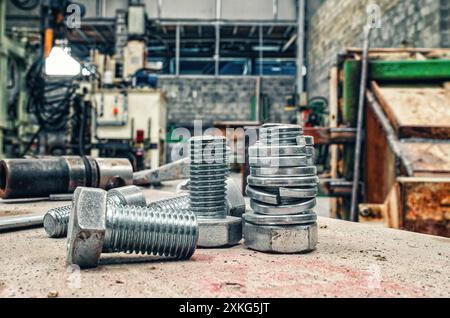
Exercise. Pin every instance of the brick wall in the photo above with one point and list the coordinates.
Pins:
(338, 24)
(221, 98)
(445, 23)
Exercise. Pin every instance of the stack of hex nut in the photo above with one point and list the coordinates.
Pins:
(282, 187)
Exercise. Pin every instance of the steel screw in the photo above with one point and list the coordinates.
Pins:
(208, 172)
(56, 220)
(235, 202)
(98, 225)
(150, 231)
(179, 203)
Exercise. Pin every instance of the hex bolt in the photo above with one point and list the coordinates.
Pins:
(56, 220)
(98, 225)
(208, 172)
(235, 202)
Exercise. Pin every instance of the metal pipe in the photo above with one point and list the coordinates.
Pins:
(275, 9)
(29, 178)
(359, 132)
(300, 45)
(261, 54)
(217, 51)
(258, 99)
(171, 171)
(217, 38)
(177, 50)
(20, 222)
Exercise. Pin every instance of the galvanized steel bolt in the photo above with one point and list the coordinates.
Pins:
(56, 220)
(235, 202)
(208, 172)
(98, 225)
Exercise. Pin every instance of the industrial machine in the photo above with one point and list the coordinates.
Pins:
(108, 107)
(130, 119)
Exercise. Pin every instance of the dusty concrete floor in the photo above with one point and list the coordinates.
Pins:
(351, 260)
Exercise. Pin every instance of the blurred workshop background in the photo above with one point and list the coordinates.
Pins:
(115, 79)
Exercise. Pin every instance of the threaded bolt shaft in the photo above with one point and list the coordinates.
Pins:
(208, 171)
(278, 134)
(56, 220)
(150, 231)
(179, 203)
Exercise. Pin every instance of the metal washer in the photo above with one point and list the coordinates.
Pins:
(266, 209)
(273, 220)
(310, 181)
(283, 171)
(271, 162)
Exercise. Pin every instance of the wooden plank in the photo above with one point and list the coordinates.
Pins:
(421, 112)
(431, 53)
(380, 167)
(427, 157)
(393, 208)
(334, 109)
(384, 105)
(333, 98)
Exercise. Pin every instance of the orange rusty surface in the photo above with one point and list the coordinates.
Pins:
(427, 207)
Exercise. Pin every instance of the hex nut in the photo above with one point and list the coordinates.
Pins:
(87, 227)
(281, 239)
(219, 232)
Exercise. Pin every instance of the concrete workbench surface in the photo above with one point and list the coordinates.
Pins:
(351, 260)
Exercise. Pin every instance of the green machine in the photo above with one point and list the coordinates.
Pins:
(432, 69)
(14, 61)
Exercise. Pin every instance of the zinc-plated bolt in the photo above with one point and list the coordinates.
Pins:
(178, 203)
(98, 225)
(208, 171)
(56, 220)
(235, 202)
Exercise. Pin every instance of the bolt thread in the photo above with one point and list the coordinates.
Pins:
(208, 173)
(56, 221)
(277, 134)
(150, 231)
(179, 203)
(128, 195)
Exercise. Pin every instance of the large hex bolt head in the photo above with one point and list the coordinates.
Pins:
(281, 239)
(219, 232)
(87, 227)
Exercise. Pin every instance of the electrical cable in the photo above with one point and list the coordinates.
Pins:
(49, 100)
(26, 5)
